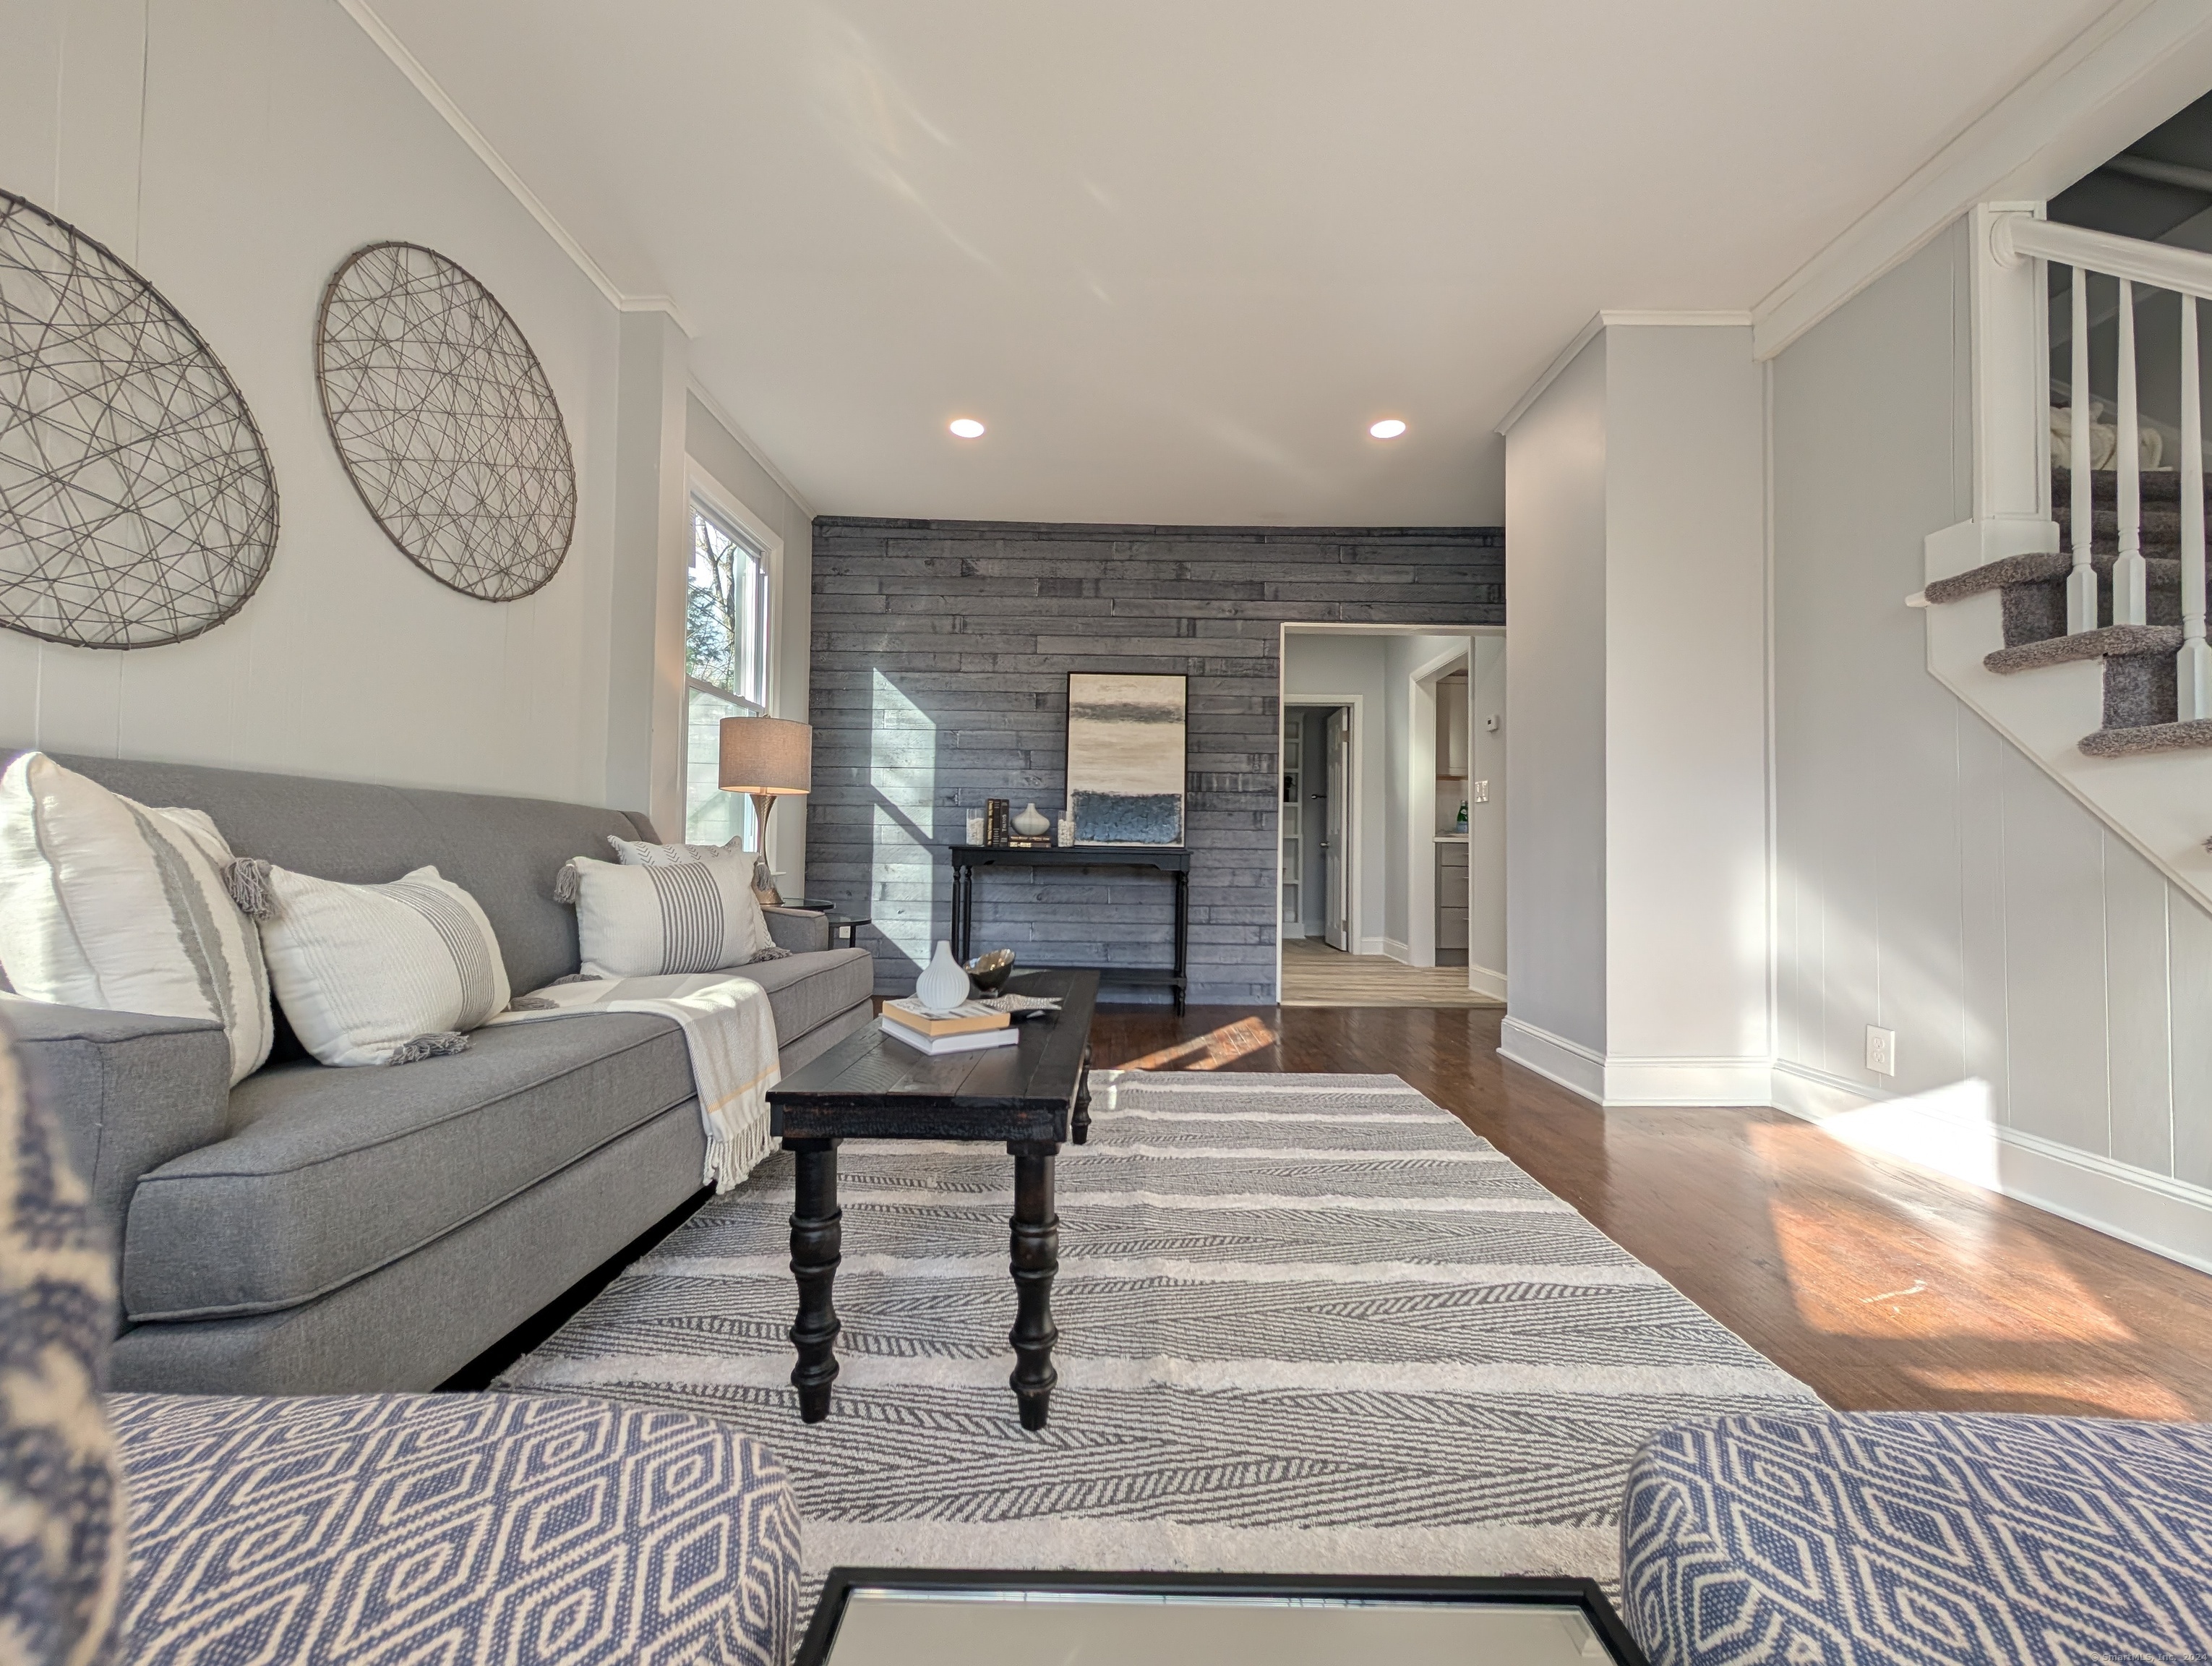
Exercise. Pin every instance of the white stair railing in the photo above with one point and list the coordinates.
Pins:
(2017, 237)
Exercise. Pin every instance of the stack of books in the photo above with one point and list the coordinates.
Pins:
(965, 1029)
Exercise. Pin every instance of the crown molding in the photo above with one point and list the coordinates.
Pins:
(436, 96)
(1615, 319)
(2128, 71)
(721, 414)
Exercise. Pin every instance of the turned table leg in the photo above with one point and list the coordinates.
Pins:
(1035, 1238)
(816, 1236)
(1081, 1133)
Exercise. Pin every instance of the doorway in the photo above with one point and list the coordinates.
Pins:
(1382, 809)
(1316, 824)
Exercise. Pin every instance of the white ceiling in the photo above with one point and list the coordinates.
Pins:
(1179, 254)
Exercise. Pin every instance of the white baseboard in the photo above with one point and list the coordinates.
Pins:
(1724, 1080)
(1394, 947)
(1569, 1064)
(1950, 1130)
(1619, 1080)
(1484, 982)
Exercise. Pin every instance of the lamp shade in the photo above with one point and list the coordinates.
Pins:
(767, 755)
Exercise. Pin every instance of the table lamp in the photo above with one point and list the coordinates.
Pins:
(766, 757)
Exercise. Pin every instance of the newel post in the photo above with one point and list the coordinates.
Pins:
(2011, 387)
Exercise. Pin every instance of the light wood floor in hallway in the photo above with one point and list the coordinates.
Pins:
(1315, 975)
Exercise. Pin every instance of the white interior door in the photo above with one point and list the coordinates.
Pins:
(1336, 837)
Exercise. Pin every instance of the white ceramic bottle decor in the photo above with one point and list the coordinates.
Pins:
(943, 985)
(1032, 821)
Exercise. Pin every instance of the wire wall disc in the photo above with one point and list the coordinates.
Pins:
(137, 506)
(445, 420)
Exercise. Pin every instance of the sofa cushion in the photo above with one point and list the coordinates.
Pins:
(453, 1528)
(1904, 1539)
(329, 1173)
(807, 989)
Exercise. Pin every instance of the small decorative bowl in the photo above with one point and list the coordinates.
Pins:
(989, 972)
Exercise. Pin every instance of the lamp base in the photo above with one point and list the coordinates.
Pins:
(764, 884)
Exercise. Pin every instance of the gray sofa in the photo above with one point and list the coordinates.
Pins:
(318, 1231)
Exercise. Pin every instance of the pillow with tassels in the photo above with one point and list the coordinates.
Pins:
(387, 974)
(109, 903)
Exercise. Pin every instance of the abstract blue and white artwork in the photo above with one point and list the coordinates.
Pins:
(1125, 757)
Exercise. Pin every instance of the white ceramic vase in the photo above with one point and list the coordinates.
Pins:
(943, 984)
(1032, 821)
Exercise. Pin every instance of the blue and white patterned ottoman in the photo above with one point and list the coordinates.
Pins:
(1868, 1538)
(453, 1529)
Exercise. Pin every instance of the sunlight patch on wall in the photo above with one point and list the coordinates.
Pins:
(902, 774)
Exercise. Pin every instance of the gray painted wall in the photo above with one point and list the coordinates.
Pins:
(941, 651)
(1931, 879)
(1555, 701)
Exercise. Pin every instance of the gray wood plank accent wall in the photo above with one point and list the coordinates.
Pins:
(941, 650)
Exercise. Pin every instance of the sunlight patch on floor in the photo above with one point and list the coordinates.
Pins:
(1209, 1052)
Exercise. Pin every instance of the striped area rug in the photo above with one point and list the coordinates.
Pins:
(1307, 1322)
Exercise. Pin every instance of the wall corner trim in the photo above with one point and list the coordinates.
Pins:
(1615, 319)
(440, 100)
(1949, 1132)
(730, 426)
(2126, 71)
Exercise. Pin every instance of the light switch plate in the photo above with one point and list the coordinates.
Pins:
(1479, 793)
(1881, 1050)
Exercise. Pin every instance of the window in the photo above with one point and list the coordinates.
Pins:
(725, 651)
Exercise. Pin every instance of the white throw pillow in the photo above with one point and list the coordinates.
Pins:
(379, 973)
(106, 903)
(647, 921)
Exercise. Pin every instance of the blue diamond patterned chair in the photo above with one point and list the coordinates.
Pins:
(369, 1529)
(1884, 1539)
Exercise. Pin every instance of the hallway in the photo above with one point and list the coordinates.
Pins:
(1315, 975)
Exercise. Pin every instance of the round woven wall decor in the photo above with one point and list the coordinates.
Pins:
(137, 502)
(444, 420)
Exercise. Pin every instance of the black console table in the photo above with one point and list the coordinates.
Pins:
(1173, 860)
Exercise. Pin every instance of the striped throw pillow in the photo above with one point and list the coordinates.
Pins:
(378, 974)
(678, 917)
(107, 903)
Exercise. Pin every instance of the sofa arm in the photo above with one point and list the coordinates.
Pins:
(802, 931)
(132, 1091)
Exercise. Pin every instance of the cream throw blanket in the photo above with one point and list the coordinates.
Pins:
(731, 1033)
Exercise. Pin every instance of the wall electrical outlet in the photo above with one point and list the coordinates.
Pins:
(1881, 1050)
(1479, 793)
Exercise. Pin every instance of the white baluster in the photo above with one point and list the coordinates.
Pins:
(2193, 670)
(2082, 583)
(2130, 577)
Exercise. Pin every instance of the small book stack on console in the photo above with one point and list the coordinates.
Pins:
(965, 1029)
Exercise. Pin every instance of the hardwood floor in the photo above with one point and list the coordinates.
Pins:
(1315, 975)
(1881, 1286)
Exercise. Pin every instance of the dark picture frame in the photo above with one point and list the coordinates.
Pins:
(1513, 1590)
(1123, 789)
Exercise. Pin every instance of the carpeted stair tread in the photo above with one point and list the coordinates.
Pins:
(2150, 738)
(1996, 575)
(2111, 642)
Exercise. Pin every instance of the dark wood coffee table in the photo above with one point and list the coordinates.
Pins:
(1032, 1096)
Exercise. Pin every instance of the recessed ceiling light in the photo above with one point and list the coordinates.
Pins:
(1388, 428)
(968, 429)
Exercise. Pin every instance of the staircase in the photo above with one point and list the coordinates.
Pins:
(2136, 661)
(2109, 694)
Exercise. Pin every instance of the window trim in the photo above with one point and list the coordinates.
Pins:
(702, 488)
